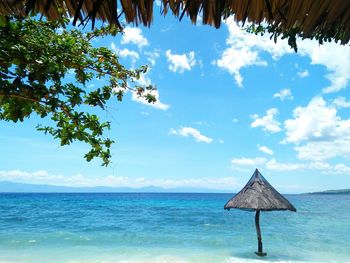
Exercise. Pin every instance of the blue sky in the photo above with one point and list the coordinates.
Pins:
(228, 102)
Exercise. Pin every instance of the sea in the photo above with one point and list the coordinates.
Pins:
(168, 228)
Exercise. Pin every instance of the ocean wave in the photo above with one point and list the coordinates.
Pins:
(172, 259)
(179, 259)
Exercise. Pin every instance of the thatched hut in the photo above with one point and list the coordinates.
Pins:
(259, 195)
(325, 20)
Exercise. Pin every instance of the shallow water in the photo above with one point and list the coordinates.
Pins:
(148, 227)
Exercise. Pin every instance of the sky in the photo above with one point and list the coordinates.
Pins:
(228, 102)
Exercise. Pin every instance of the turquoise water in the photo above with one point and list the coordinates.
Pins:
(162, 228)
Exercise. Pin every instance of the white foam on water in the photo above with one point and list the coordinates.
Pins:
(243, 260)
(175, 259)
(179, 259)
(158, 259)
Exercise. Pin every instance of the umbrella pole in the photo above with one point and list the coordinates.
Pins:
(258, 232)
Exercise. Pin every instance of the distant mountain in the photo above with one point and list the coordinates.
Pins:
(332, 192)
(12, 187)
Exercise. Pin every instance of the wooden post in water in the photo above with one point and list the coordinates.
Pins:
(258, 232)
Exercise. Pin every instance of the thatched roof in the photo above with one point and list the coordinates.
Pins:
(310, 18)
(258, 194)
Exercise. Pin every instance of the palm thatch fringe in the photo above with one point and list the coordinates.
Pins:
(327, 18)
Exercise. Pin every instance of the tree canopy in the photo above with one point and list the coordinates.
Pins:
(36, 57)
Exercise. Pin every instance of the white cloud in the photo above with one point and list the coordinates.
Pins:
(180, 63)
(235, 120)
(134, 35)
(124, 53)
(265, 149)
(334, 57)
(249, 161)
(303, 74)
(329, 169)
(152, 56)
(244, 49)
(341, 102)
(221, 141)
(341, 168)
(158, 104)
(43, 177)
(315, 122)
(234, 58)
(78, 180)
(267, 122)
(129, 53)
(324, 150)
(189, 131)
(224, 183)
(273, 165)
(267, 164)
(284, 94)
(242, 164)
(145, 81)
(324, 134)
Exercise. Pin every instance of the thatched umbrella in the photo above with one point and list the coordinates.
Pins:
(258, 195)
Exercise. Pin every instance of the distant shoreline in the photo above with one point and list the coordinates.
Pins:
(332, 192)
(7, 187)
(14, 187)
